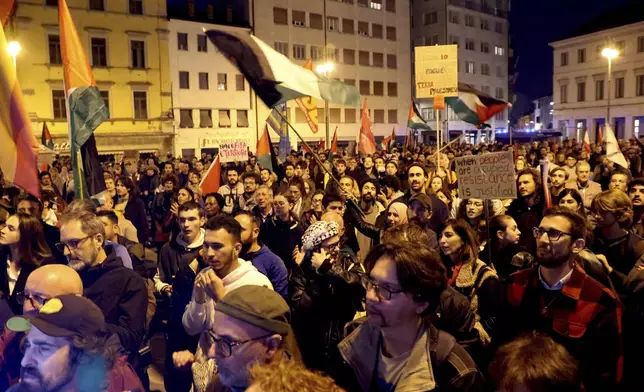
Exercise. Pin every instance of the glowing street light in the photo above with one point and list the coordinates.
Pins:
(325, 68)
(14, 49)
(610, 54)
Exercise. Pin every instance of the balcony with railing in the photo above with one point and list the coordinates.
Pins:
(484, 8)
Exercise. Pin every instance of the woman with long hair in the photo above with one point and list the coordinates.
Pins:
(131, 206)
(571, 199)
(472, 211)
(23, 250)
(471, 276)
(508, 256)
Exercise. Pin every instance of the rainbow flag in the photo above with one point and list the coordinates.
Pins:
(85, 107)
(20, 149)
(308, 105)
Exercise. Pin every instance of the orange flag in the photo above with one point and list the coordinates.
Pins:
(211, 181)
(367, 142)
(308, 105)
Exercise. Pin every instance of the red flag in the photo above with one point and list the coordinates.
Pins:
(322, 145)
(600, 136)
(7, 8)
(586, 142)
(334, 142)
(367, 143)
(211, 181)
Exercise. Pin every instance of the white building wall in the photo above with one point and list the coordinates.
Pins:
(572, 114)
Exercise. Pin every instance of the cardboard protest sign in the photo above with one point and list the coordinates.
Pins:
(486, 176)
(233, 150)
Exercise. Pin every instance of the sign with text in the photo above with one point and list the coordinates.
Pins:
(233, 150)
(486, 176)
(436, 71)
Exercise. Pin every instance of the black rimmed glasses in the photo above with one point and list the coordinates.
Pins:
(225, 347)
(383, 292)
(36, 300)
(71, 244)
(553, 234)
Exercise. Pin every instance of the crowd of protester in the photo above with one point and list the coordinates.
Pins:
(329, 273)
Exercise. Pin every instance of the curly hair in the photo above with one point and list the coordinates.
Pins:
(289, 376)
(617, 203)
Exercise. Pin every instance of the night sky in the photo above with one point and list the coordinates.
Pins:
(535, 23)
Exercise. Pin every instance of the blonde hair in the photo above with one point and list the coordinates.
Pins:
(617, 203)
(290, 376)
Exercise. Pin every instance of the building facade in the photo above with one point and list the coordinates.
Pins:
(368, 41)
(543, 113)
(126, 45)
(580, 83)
(480, 29)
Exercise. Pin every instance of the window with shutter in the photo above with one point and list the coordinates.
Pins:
(205, 118)
(185, 118)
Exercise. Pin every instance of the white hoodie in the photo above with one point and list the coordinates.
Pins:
(198, 318)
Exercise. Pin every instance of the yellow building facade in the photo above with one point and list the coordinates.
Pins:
(126, 42)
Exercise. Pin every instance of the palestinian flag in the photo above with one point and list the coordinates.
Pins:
(46, 139)
(20, 149)
(473, 106)
(265, 153)
(387, 142)
(415, 121)
(308, 105)
(85, 107)
(273, 76)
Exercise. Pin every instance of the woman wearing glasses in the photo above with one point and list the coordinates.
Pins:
(22, 250)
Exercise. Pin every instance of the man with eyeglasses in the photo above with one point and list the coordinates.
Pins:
(557, 297)
(396, 345)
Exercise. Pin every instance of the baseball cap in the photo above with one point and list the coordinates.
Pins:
(425, 200)
(258, 306)
(63, 316)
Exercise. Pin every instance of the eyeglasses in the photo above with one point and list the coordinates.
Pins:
(225, 347)
(35, 300)
(71, 244)
(382, 292)
(553, 234)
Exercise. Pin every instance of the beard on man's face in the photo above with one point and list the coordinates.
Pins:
(546, 258)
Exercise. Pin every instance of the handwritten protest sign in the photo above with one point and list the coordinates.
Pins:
(436, 71)
(233, 150)
(486, 176)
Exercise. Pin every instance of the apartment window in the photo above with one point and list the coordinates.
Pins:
(316, 53)
(298, 18)
(242, 119)
(210, 11)
(499, 116)
(55, 55)
(185, 118)
(315, 21)
(184, 80)
(332, 23)
(392, 89)
(363, 58)
(202, 43)
(140, 105)
(581, 56)
(469, 44)
(469, 67)
(299, 52)
(639, 86)
(563, 60)
(99, 52)
(581, 91)
(378, 60)
(363, 29)
(349, 56)
(347, 26)
(391, 33)
(392, 61)
(240, 83)
(431, 18)
(136, 8)
(621, 47)
(454, 17)
(224, 118)
(222, 82)
(375, 4)
(379, 116)
(499, 71)
(333, 54)
(640, 44)
(619, 87)
(182, 41)
(350, 82)
(281, 47)
(485, 47)
(599, 90)
(350, 116)
(485, 24)
(433, 40)
(52, 3)
(453, 40)
(106, 99)
(499, 93)
(335, 115)
(392, 115)
(300, 117)
(203, 81)
(205, 118)
(499, 51)
(469, 20)
(137, 49)
(280, 16)
(498, 27)
(390, 5)
(379, 88)
(58, 100)
(229, 14)
(485, 69)
(365, 87)
(376, 31)
(563, 93)
(97, 5)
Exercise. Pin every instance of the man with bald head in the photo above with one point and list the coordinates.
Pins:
(42, 284)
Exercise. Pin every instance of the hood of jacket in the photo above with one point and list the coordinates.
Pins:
(183, 243)
(93, 273)
(244, 268)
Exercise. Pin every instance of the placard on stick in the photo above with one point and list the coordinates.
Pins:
(486, 176)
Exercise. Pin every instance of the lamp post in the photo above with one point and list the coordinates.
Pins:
(610, 54)
(14, 49)
(325, 69)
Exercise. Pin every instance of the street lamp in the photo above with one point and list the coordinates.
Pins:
(325, 69)
(14, 49)
(610, 54)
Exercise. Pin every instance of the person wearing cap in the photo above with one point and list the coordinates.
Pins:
(326, 294)
(251, 327)
(419, 212)
(68, 348)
